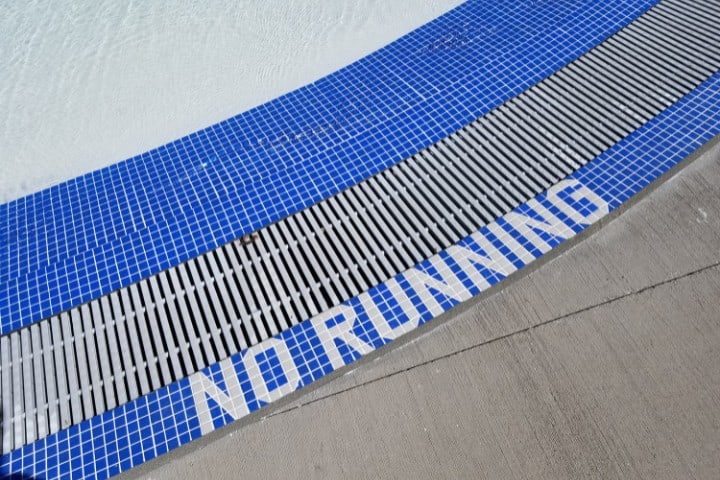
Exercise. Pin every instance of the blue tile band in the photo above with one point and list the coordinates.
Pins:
(91, 235)
(175, 415)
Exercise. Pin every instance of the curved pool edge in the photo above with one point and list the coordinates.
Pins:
(182, 199)
(540, 375)
(240, 385)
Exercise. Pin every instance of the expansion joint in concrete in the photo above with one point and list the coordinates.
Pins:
(509, 335)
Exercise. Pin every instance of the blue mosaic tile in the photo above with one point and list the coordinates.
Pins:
(96, 233)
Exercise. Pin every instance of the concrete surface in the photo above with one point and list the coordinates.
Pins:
(602, 363)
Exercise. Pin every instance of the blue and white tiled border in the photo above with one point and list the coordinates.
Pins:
(175, 415)
(268, 371)
(89, 236)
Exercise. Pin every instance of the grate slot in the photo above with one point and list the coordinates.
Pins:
(41, 409)
(93, 359)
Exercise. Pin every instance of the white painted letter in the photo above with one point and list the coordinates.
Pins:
(233, 402)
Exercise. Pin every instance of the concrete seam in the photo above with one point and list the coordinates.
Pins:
(508, 335)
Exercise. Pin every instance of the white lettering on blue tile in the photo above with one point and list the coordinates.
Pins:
(374, 318)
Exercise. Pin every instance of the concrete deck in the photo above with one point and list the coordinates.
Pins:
(603, 362)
